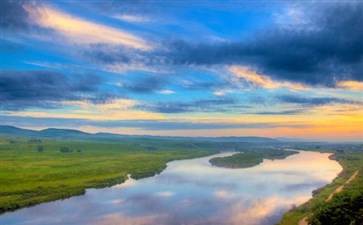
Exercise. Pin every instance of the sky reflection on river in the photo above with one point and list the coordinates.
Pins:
(194, 192)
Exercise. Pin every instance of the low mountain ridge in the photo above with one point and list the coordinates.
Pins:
(70, 134)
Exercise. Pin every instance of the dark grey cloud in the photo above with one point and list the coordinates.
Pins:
(154, 83)
(311, 101)
(13, 15)
(326, 49)
(284, 112)
(330, 49)
(204, 105)
(147, 84)
(109, 53)
(142, 124)
(37, 88)
(135, 7)
(106, 53)
(203, 85)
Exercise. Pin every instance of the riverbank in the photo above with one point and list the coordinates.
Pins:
(37, 171)
(304, 221)
(351, 163)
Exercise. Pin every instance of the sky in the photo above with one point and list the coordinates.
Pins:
(288, 69)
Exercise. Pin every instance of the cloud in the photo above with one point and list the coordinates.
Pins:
(117, 104)
(166, 92)
(96, 115)
(107, 104)
(46, 89)
(13, 15)
(29, 120)
(202, 85)
(123, 7)
(103, 53)
(147, 84)
(351, 85)
(81, 31)
(15, 18)
(221, 92)
(261, 81)
(204, 105)
(322, 52)
(284, 112)
(132, 18)
(119, 58)
(322, 56)
(317, 101)
(308, 46)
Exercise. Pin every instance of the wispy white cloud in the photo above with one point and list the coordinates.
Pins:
(112, 110)
(132, 18)
(81, 31)
(293, 17)
(121, 68)
(166, 92)
(221, 92)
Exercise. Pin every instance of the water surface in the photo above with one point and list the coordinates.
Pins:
(194, 192)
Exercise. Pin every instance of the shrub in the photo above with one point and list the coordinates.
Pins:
(40, 149)
(65, 149)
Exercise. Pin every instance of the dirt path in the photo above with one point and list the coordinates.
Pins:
(304, 221)
(340, 188)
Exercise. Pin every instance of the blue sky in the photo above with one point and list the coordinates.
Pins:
(189, 68)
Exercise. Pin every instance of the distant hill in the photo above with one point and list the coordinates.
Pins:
(68, 134)
(247, 139)
(63, 133)
(291, 139)
(47, 133)
(14, 131)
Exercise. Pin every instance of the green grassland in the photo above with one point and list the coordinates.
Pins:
(250, 158)
(35, 171)
(345, 208)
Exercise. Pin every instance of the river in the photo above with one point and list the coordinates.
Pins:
(194, 192)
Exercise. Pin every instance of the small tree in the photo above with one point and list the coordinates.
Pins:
(293, 207)
(40, 149)
(65, 149)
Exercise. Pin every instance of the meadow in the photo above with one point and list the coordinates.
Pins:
(40, 170)
(250, 157)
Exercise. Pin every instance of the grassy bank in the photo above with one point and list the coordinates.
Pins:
(249, 158)
(35, 171)
(341, 209)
